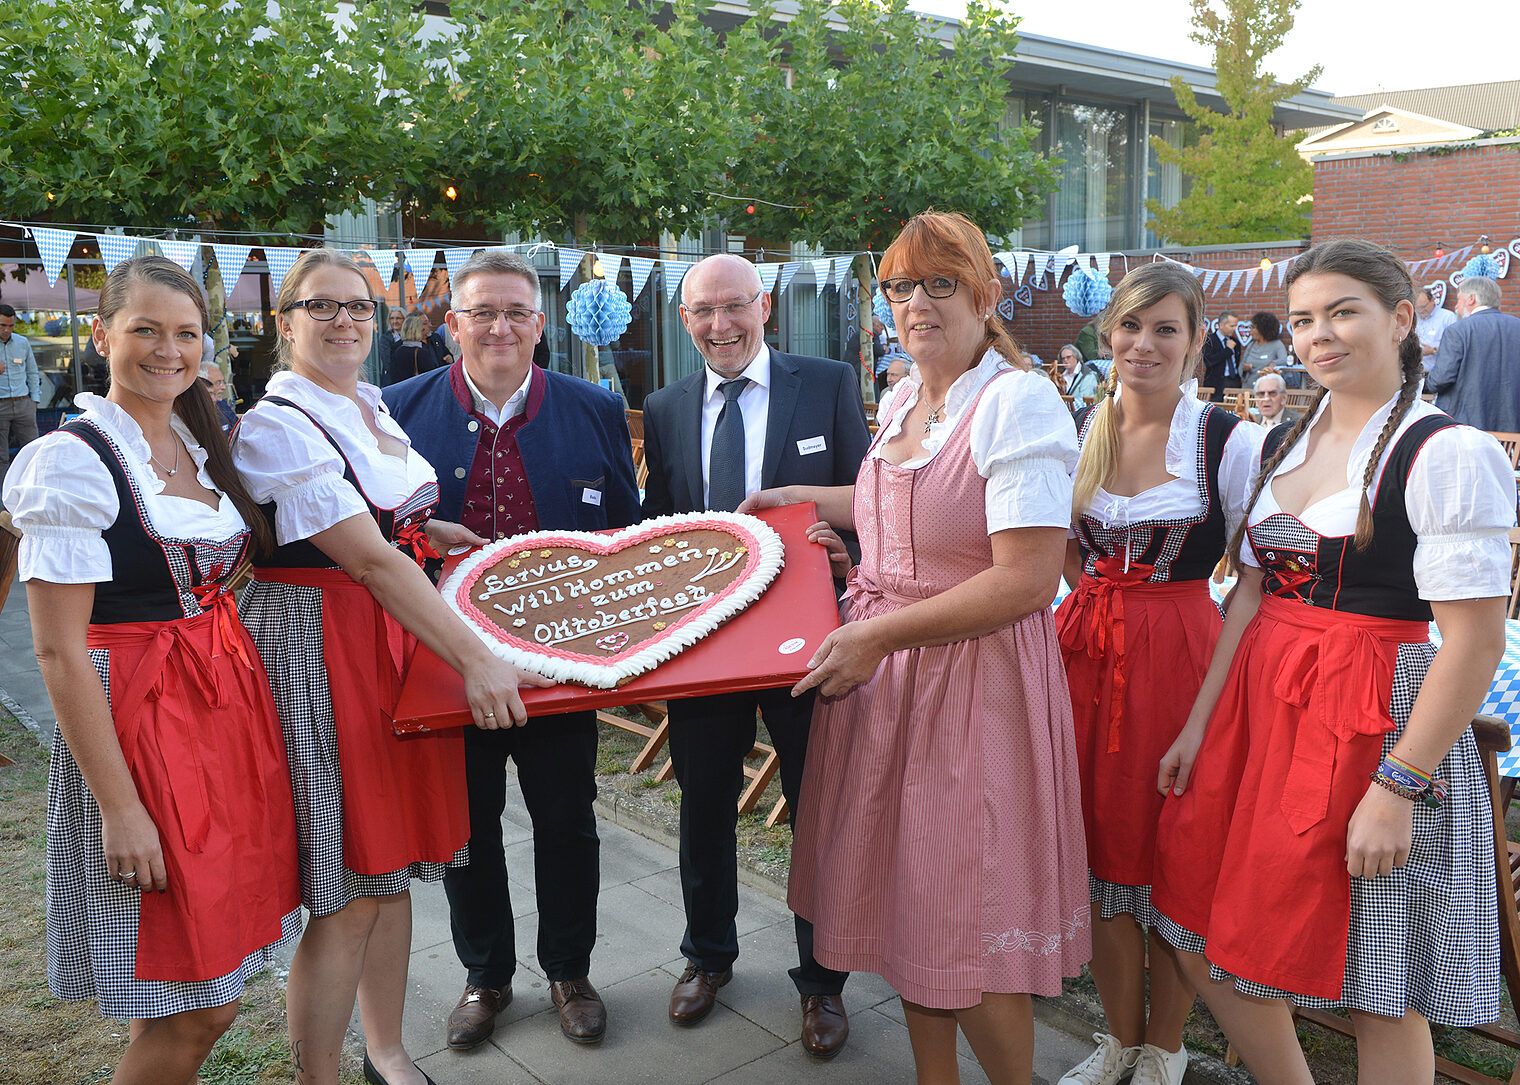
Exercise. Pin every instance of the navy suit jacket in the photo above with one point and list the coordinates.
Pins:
(809, 398)
(1216, 357)
(1476, 372)
(577, 441)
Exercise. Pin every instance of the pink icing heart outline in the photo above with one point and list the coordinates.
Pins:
(612, 642)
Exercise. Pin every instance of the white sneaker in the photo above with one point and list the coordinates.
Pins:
(1108, 1065)
(1158, 1067)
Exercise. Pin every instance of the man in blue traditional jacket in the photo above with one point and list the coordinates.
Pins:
(518, 448)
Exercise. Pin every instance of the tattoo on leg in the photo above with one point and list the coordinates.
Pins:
(295, 1055)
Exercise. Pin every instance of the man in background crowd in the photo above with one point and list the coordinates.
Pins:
(1476, 374)
(20, 389)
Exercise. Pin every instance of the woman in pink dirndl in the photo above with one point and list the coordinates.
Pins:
(940, 842)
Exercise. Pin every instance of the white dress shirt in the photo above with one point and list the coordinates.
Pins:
(516, 404)
(755, 403)
(1460, 501)
(1432, 327)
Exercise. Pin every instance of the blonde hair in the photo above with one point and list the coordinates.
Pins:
(295, 278)
(1140, 289)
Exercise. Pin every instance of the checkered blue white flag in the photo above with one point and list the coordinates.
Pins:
(611, 265)
(114, 248)
(675, 271)
(183, 253)
(54, 245)
(420, 263)
(230, 261)
(569, 264)
(280, 262)
(639, 267)
(454, 259)
(385, 264)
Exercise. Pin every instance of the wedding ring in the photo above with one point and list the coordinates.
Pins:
(490, 715)
(125, 874)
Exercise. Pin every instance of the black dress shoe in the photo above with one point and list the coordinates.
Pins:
(374, 1077)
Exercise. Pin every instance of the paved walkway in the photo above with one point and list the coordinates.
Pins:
(752, 1036)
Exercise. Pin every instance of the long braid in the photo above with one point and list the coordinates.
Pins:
(1412, 370)
(1269, 465)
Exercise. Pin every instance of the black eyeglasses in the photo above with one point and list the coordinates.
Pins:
(327, 308)
(936, 286)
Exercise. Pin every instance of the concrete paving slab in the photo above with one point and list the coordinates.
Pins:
(487, 1065)
(755, 909)
(642, 1046)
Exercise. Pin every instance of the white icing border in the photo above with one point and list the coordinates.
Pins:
(769, 561)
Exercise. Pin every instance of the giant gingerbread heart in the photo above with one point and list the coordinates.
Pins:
(598, 609)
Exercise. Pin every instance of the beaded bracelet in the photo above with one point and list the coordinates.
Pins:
(1431, 794)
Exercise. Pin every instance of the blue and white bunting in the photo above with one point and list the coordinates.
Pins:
(385, 264)
(823, 274)
(1104, 260)
(114, 248)
(54, 245)
(675, 271)
(230, 260)
(639, 267)
(280, 261)
(611, 264)
(842, 266)
(183, 253)
(788, 273)
(454, 259)
(420, 263)
(768, 274)
(569, 264)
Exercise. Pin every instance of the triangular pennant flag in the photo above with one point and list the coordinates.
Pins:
(1235, 277)
(1064, 259)
(230, 260)
(569, 264)
(842, 268)
(385, 264)
(675, 270)
(1104, 260)
(823, 274)
(1206, 279)
(280, 261)
(183, 253)
(1220, 278)
(611, 265)
(1006, 259)
(54, 245)
(454, 259)
(1041, 261)
(788, 273)
(639, 267)
(1020, 266)
(420, 263)
(114, 248)
(768, 273)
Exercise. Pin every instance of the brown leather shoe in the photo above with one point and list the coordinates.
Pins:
(474, 1019)
(695, 992)
(825, 1027)
(582, 1015)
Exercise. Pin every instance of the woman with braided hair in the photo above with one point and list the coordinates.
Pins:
(1160, 487)
(1330, 841)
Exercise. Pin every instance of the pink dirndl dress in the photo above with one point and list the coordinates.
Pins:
(940, 841)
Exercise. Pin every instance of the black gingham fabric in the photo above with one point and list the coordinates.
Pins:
(1424, 937)
(1113, 899)
(92, 918)
(285, 621)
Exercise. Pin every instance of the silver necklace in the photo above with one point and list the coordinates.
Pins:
(933, 417)
(170, 471)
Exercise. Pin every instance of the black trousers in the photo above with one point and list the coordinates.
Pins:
(556, 765)
(709, 737)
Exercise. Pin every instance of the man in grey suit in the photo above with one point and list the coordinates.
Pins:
(750, 419)
(1476, 375)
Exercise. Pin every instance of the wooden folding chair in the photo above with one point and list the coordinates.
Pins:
(1514, 574)
(10, 545)
(1493, 739)
(635, 424)
(1238, 400)
(1511, 444)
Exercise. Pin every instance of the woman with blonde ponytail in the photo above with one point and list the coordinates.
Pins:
(1160, 486)
(1329, 844)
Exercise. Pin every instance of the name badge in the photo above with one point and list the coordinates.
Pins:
(811, 445)
(591, 497)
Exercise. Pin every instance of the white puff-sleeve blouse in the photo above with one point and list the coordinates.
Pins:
(1460, 501)
(61, 497)
(1023, 441)
(282, 457)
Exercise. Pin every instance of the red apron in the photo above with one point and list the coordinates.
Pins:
(404, 797)
(191, 705)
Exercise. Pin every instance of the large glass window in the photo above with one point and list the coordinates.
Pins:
(812, 320)
(1093, 198)
(678, 357)
(1166, 182)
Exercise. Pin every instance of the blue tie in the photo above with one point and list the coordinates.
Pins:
(725, 460)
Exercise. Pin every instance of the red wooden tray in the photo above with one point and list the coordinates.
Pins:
(766, 646)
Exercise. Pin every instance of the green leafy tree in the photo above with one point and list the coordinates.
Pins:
(870, 113)
(606, 120)
(1249, 184)
(236, 116)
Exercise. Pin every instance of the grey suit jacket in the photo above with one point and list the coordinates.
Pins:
(1476, 373)
(809, 398)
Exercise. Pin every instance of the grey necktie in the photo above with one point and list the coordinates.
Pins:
(725, 460)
